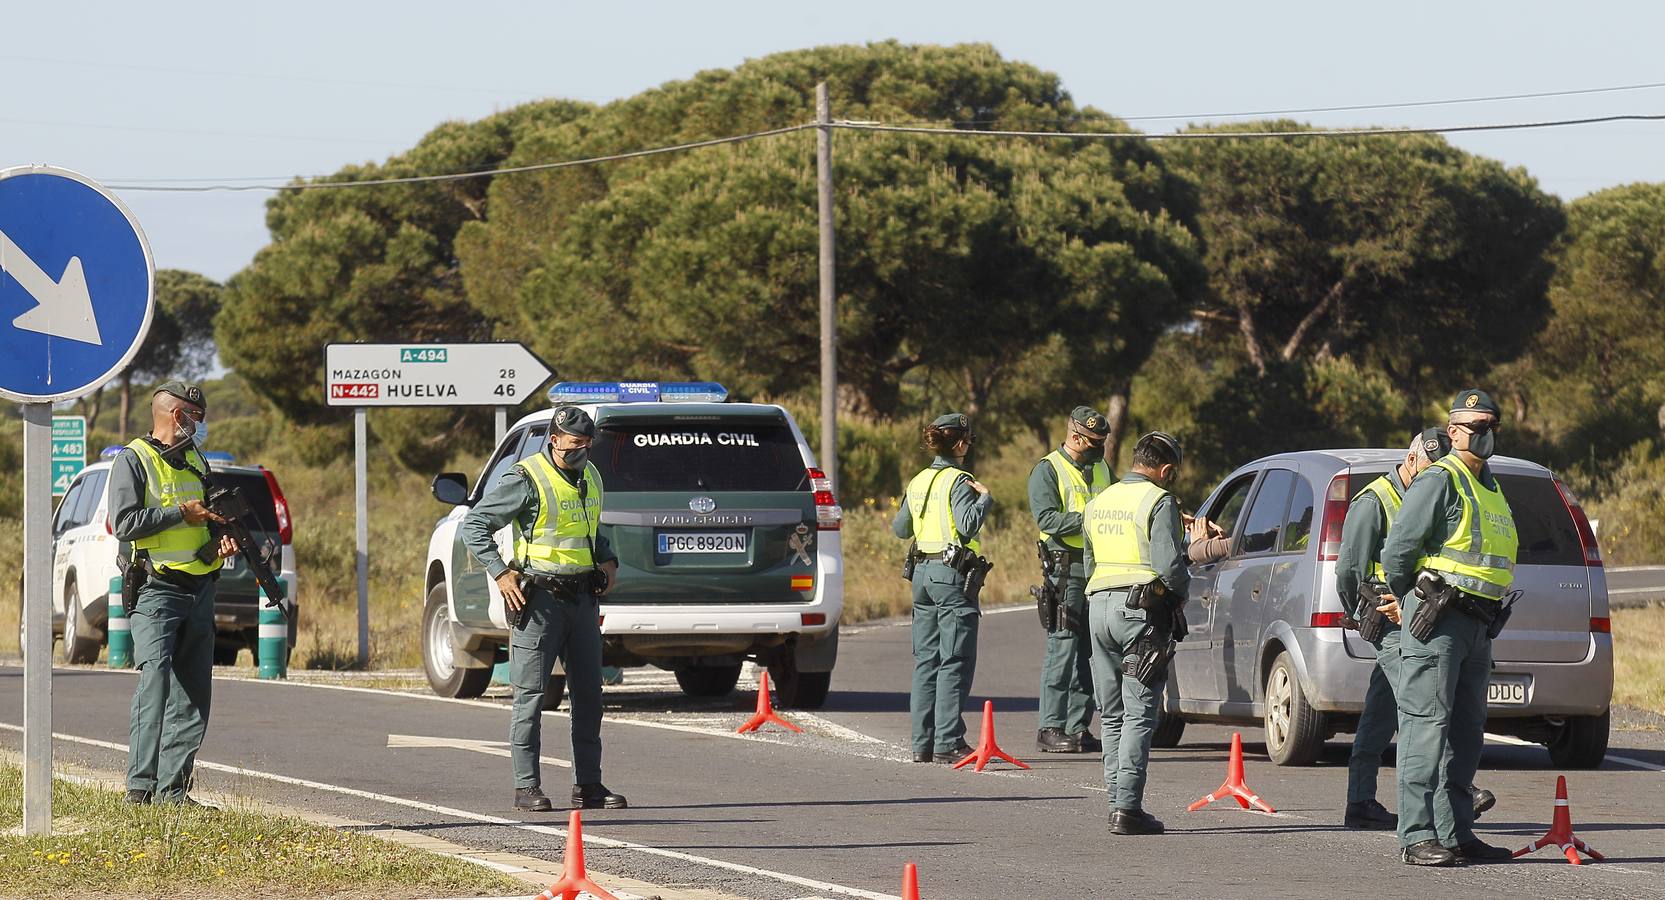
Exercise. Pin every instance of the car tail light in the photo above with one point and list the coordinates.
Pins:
(1326, 620)
(280, 507)
(1586, 534)
(1335, 513)
(1601, 625)
(600, 621)
(803, 582)
(813, 619)
(828, 515)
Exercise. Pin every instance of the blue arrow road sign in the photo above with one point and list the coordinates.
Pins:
(77, 284)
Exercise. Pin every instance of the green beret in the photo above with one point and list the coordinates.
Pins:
(186, 391)
(952, 420)
(1435, 442)
(574, 421)
(1090, 421)
(1474, 400)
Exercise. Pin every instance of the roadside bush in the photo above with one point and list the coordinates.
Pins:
(1631, 511)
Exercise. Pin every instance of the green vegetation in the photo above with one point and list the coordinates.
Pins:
(1639, 657)
(102, 846)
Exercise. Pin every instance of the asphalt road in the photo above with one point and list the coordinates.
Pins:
(837, 811)
(1635, 585)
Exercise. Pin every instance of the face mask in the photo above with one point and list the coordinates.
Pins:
(574, 458)
(1483, 445)
(198, 431)
(1092, 456)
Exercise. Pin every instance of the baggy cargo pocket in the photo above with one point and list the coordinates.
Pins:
(1420, 690)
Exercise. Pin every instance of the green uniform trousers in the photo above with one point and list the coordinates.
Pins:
(1442, 726)
(1066, 698)
(944, 656)
(1378, 721)
(567, 626)
(173, 647)
(1127, 709)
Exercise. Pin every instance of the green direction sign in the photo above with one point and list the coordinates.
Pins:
(69, 451)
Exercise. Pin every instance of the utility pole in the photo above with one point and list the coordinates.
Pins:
(829, 319)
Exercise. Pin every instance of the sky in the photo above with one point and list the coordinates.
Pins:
(126, 92)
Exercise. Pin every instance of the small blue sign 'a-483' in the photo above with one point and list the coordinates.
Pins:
(77, 284)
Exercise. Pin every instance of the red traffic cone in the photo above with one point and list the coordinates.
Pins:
(1560, 831)
(987, 749)
(1234, 786)
(910, 882)
(574, 879)
(765, 710)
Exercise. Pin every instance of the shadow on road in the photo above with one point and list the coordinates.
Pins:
(892, 801)
(897, 701)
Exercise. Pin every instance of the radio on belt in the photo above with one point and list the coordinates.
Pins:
(638, 392)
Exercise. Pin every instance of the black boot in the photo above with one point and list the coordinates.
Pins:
(923, 756)
(1368, 815)
(1054, 740)
(137, 797)
(532, 799)
(1088, 743)
(1476, 850)
(597, 796)
(1427, 853)
(1483, 800)
(1134, 821)
(949, 757)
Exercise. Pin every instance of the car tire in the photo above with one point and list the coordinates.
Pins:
(1169, 726)
(553, 692)
(708, 681)
(792, 689)
(226, 654)
(446, 677)
(813, 688)
(1294, 730)
(81, 641)
(1582, 743)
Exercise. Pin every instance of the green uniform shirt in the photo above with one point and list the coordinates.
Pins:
(1048, 508)
(513, 499)
(1167, 543)
(967, 507)
(1361, 541)
(1433, 508)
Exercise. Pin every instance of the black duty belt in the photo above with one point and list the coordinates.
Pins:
(559, 584)
(1479, 607)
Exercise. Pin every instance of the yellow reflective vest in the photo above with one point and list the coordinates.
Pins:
(1479, 556)
(1074, 491)
(562, 538)
(1387, 494)
(1118, 524)
(930, 504)
(174, 548)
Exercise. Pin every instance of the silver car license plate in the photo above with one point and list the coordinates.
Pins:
(1508, 691)
(702, 542)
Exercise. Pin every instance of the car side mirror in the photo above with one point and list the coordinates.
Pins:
(451, 488)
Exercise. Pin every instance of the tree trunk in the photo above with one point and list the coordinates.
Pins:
(126, 402)
(1251, 342)
(1309, 320)
(1115, 414)
(92, 407)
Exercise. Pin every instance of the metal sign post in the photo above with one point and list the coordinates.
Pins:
(74, 261)
(500, 375)
(829, 295)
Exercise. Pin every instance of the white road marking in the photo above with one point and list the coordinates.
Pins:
(796, 880)
(1636, 568)
(1644, 590)
(494, 748)
(1621, 760)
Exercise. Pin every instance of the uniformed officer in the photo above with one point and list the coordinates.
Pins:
(1369, 518)
(1134, 544)
(1059, 487)
(1455, 523)
(562, 567)
(943, 510)
(156, 506)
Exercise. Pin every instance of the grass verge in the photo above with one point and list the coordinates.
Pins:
(103, 847)
(1639, 657)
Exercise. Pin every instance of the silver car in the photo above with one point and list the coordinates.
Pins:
(1266, 642)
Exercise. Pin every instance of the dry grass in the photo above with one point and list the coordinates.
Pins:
(103, 846)
(1639, 657)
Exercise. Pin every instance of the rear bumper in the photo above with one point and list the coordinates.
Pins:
(1335, 682)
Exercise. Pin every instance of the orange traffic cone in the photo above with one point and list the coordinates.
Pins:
(1560, 831)
(987, 749)
(765, 710)
(910, 882)
(574, 879)
(1234, 786)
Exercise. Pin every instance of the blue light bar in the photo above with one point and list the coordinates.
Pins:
(638, 392)
(111, 452)
(219, 456)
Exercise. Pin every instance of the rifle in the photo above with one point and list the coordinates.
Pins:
(229, 504)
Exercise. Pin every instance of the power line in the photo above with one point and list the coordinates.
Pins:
(1404, 105)
(263, 76)
(895, 129)
(195, 132)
